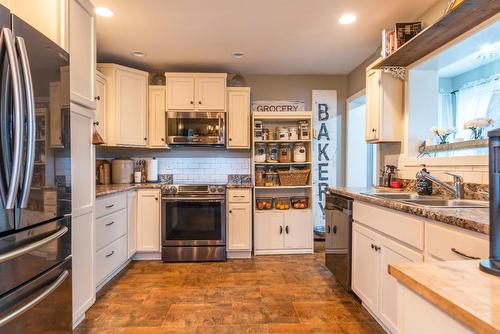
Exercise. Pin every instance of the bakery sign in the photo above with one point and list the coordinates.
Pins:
(279, 106)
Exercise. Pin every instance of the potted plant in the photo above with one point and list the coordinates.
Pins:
(477, 126)
(442, 134)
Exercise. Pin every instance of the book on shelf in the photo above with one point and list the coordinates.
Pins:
(393, 39)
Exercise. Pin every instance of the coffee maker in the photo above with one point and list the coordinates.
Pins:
(492, 264)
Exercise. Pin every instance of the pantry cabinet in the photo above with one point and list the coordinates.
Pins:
(283, 232)
(238, 118)
(100, 110)
(126, 105)
(384, 107)
(148, 220)
(196, 91)
(239, 223)
(157, 110)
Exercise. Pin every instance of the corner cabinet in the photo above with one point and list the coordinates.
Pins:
(384, 107)
(126, 105)
(196, 91)
(239, 223)
(238, 118)
(157, 110)
(148, 220)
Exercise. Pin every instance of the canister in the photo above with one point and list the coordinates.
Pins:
(299, 152)
(260, 152)
(293, 133)
(283, 134)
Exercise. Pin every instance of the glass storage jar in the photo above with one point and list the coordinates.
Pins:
(299, 152)
(293, 133)
(260, 173)
(272, 179)
(260, 152)
(283, 134)
(272, 153)
(285, 153)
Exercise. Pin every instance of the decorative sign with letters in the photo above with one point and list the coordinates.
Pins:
(325, 125)
(278, 106)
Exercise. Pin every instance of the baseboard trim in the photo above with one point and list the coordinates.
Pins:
(239, 254)
(285, 251)
(150, 256)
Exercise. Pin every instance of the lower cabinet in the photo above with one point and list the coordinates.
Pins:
(372, 252)
(239, 223)
(148, 220)
(283, 232)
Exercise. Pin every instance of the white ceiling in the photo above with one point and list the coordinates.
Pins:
(277, 36)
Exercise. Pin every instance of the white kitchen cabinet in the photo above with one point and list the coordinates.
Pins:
(239, 223)
(384, 107)
(132, 223)
(148, 220)
(82, 46)
(238, 117)
(365, 266)
(65, 87)
(48, 16)
(196, 91)
(157, 110)
(100, 110)
(55, 114)
(126, 105)
(283, 232)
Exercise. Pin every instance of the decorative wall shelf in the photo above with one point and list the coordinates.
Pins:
(464, 17)
(480, 143)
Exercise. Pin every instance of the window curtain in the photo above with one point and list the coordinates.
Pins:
(477, 99)
(445, 115)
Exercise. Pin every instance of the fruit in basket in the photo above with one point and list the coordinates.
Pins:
(260, 205)
(268, 205)
(299, 203)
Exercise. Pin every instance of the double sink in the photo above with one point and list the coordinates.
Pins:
(432, 201)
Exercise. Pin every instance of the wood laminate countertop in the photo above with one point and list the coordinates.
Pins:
(458, 288)
(473, 219)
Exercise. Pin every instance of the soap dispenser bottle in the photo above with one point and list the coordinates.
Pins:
(423, 185)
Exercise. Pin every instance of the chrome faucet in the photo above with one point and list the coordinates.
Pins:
(458, 184)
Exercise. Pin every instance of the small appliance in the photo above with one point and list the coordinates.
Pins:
(196, 128)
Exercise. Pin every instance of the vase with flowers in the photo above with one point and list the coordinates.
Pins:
(478, 126)
(442, 134)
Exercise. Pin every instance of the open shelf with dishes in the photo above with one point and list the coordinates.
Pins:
(281, 168)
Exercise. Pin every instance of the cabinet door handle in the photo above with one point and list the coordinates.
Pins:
(163, 139)
(374, 130)
(230, 211)
(145, 138)
(373, 246)
(191, 102)
(456, 251)
(335, 229)
(156, 198)
(230, 139)
(110, 254)
(97, 98)
(286, 229)
(109, 206)
(281, 229)
(328, 229)
(199, 102)
(109, 224)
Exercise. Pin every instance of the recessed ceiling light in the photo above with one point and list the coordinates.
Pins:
(138, 54)
(347, 19)
(103, 11)
(238, 55)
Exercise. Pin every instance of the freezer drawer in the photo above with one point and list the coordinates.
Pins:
(40, 306)
(29, 253)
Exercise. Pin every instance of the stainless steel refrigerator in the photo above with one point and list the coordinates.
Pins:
(35, 182)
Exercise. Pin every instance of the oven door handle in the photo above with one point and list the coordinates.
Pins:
(191, 199)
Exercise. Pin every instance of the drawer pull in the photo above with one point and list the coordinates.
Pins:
(110, 254)
(239, 196)
(456, 251)
(281, 229)
(109, 206)
(109, 224)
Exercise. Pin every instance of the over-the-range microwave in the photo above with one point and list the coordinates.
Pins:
(196, 128)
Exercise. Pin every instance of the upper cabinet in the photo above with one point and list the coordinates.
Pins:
(384, 107)
(47, 16)
(83, 52)
(238, 117)
(196, 91)
(126, 105)
(157, 110)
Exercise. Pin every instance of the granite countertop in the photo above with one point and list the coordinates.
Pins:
(108, 189)
(458, 288)
(473, 219)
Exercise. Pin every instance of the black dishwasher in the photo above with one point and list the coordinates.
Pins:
(338, 234)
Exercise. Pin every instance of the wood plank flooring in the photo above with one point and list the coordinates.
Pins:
(267, 294)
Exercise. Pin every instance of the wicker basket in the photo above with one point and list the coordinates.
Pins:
(293, 177)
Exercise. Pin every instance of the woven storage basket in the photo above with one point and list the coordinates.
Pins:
(293, 177)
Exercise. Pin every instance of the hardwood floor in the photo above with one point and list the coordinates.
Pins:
(267, 294)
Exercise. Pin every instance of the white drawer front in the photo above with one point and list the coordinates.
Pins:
(444, 243)
(239, 195)
(401, 226)
(109, 204)
(110, 258)
(109, 228)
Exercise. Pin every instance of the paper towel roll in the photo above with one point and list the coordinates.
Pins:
(152, 170)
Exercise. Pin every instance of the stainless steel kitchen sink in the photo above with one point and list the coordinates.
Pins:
(448, 203)
(400, 196)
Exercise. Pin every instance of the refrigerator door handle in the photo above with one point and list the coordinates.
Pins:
(11, 316)
(31, 247)
(31, 128)
(15, 176)
(4, 123)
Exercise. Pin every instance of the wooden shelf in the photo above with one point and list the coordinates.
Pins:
(276, 210)
(284, 141)
(468, 144)
(464, 17)
(282, 163)
(283, 116)
(285, 187)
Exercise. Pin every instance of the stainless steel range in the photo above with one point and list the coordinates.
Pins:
(193, 223)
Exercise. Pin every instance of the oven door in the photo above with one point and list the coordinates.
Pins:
(193, 221)
(196, 128)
